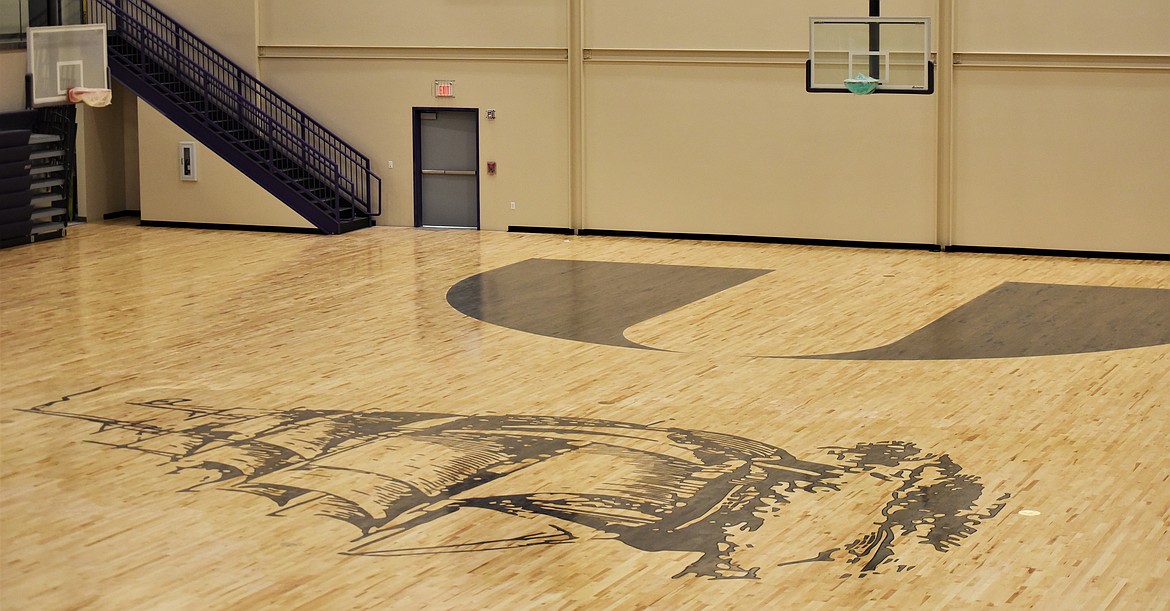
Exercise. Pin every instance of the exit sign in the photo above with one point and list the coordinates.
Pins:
(444, 89)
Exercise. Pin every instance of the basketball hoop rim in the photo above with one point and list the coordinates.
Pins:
(93, 97)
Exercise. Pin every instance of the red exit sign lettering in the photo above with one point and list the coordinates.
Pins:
(444, 89)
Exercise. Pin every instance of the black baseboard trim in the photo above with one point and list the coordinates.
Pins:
(716, 237)
(553, 230)
(121, 213)
(1044, 252)
(227, 227)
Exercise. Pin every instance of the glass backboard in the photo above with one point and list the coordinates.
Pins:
(61, 57)
(893, 50)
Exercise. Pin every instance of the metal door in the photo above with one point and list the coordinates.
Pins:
(446, 168)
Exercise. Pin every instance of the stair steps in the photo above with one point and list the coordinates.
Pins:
(319, 185)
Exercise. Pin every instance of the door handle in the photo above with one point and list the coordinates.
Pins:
(449, 172)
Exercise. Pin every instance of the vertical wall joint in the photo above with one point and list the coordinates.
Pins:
(945, 216)
(577, 113)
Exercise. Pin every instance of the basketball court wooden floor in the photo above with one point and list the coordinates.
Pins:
(416, 419)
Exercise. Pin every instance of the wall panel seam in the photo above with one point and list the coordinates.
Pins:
(1062, 61)
(526, 54)
(695, 56)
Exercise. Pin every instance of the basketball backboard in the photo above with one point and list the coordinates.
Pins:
(893, 50)
(64, 57)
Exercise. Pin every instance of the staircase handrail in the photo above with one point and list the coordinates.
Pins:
(351, 169)
(270, 127)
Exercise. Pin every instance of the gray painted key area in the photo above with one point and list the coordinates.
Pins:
(587, 301)
(1018, 319)
(595, 302)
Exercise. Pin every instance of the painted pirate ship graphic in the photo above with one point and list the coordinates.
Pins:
(654, 488)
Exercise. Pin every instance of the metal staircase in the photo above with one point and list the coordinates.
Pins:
(275, 144)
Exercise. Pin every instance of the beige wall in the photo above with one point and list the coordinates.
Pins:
(729, 143)
(1049, 161)
(1062, 136)
(379, 59)
(1059, 26)
(414, 23)
(693, 117)
(222, 195)
(130, 155)
(529, 140)
(741, 24)
(230, 26)
(743, 150)
(103, 182)
(13, 65)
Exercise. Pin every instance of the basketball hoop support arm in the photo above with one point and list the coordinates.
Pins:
(875, 39)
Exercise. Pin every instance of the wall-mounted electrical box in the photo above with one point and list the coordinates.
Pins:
(188, 170)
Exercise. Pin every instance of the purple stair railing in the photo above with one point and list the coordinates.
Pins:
(255, 129)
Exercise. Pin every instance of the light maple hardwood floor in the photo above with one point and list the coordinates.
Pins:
(98, 513)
